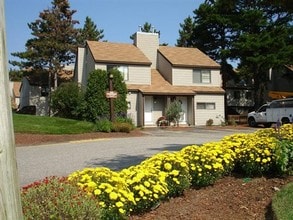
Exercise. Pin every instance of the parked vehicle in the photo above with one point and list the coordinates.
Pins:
(277, 111)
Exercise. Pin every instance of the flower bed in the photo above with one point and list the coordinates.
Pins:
(140, 188)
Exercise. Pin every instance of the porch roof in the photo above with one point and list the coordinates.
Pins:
(160, 86)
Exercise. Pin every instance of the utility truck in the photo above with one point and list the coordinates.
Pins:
(278, 111)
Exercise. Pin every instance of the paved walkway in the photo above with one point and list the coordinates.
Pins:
(37, 162)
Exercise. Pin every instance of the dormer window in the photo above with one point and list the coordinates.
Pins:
(122, 69)
(201, 76)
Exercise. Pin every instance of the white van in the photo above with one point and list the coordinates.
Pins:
(280, 110)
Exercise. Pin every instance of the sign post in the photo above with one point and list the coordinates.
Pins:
(10, 203)
(111, 95)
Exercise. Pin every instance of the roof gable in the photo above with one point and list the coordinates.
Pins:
(106, 52)
(187, 57)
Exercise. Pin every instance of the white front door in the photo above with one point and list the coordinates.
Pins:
(148, 110)
(183, 101)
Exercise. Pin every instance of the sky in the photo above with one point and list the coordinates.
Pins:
(118, 18)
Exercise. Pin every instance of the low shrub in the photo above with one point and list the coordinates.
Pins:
(176, 169)
(140, 188)
(284, 157)
(56, 198)
(149, 186)
(122, 127)
(109, 188)
(104, 125)
(209, 122)
(125, 120)
(232, 122)
(256, 156)
(208, 162)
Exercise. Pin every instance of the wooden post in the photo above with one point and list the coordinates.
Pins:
(112, 117)
(10, 205)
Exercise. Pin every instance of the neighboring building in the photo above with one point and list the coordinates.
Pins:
(240, 94)
(14, 93)
(281, 82)
(239, 97)
(156, 75)
(34, 91)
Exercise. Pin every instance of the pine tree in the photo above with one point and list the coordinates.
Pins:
(148, 28)
(257, 33)
(185, 34)
(53, 44)
(89, 32)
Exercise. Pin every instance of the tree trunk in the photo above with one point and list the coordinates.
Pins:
(260, 87)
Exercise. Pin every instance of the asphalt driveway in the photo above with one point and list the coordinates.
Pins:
(37, 162)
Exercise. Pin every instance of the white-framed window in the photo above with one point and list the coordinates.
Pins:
(201, 76)
(123, 70)
(206, 105)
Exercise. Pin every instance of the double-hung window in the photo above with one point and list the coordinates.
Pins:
(201, 76)
(206, 105)
(122, 69)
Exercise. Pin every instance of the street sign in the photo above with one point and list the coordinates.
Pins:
(111, 94)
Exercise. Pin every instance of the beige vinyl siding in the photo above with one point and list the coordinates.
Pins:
(139, 75)
(216, 78)
(132, 112)
(89, 66)
(80, 68)
(90, 62)
(165, 68)
(136, 74)
(217, 114)
(148, 43)
(184, 77)
(100, 66)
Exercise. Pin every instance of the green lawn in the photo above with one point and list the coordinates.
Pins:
(282, 203)
(49, 125)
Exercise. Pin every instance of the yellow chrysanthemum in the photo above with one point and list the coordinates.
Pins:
(113, 196)
(119, 204)
(167, 166)
(122, 211)
(97, 192)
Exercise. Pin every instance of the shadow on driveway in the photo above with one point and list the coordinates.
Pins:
(122, 161)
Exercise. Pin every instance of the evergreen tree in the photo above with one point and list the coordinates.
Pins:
(54, 41)
(148, 28)
(264, 41)
(185, 34)
(15, 75)
(258, 33)
(89, 32)
(97, 105)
